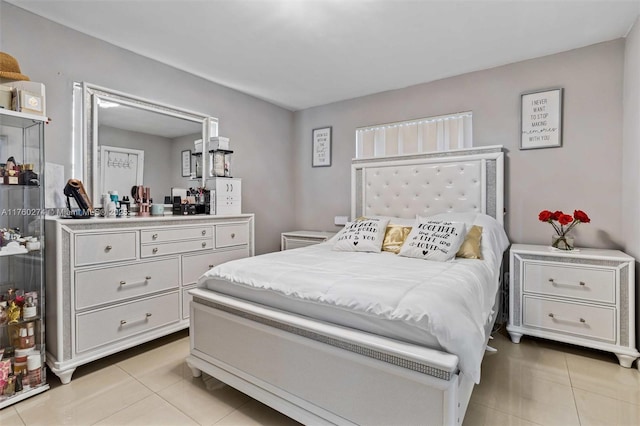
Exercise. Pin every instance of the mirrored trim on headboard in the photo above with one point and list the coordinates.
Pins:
(426, 184)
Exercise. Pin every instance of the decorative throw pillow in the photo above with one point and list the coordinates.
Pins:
(362, 235)
(470, 248)
(394, 237)
(434, 240)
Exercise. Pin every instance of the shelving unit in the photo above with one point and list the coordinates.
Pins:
(22, 270)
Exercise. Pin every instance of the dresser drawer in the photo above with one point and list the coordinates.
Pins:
(105, 326)
(113, 284)
(568, 281)
(105, 247)
(177, 234)
(154, 250)
(196, 265)
(231, 235)
(592, 322)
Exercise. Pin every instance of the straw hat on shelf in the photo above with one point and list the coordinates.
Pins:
(9, 68)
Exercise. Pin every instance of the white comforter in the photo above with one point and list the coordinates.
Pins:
(449, 300)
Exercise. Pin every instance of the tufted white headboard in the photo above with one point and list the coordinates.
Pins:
(466, 180)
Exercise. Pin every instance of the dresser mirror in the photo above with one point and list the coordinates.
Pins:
(121, 140)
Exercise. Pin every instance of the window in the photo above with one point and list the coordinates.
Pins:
(442, 133)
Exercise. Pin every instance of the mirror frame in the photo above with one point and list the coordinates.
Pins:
(85, 129)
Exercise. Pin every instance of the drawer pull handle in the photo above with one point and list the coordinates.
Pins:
(581, 320)
(123, 283)
(108, 248)
(204, 232)
(154, 236)
(148, 277)
(204, 244)
(146, 317)
(233, 235)
(155, 250)
(580, 284)
(210, 266)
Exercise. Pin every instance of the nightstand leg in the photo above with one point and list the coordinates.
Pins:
(515, 337)
(626, 360)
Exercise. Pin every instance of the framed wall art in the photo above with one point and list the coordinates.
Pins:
(186, 163)
(541, 119)
(321, 147)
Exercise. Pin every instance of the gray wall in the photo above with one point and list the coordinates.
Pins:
(631, 145)
(585, 173)
(259, 131)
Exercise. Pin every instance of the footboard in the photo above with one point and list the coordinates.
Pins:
(318, 373)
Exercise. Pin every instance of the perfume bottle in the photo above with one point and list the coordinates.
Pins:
(29, 310)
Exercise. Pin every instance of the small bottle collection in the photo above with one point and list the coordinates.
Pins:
(20, 356)
(12, 173)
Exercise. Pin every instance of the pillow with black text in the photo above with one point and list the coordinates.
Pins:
(434, 240)
(362, 235)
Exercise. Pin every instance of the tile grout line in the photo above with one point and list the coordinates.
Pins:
(573, 392)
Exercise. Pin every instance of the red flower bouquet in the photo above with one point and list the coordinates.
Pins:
(563, 223)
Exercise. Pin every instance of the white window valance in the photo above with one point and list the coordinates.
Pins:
(441, 133)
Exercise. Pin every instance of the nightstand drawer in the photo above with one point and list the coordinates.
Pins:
(577, 282)
(593, 322)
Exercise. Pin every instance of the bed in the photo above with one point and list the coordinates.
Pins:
(304, 345)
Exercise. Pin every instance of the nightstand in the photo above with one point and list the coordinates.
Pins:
(297, 239)
(584, 297)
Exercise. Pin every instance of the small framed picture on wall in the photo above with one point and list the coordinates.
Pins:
(321, 147)
(186, 163)
(541, 119)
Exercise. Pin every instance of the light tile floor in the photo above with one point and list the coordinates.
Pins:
(535, 382)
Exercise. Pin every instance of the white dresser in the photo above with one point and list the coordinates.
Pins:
(584, 297)
(115, 283)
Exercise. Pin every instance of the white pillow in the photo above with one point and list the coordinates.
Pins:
(434, 240)
(362, 235)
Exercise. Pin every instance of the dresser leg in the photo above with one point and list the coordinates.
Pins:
(63, 375)
(515, 337)
(195, 371)
(626, 360)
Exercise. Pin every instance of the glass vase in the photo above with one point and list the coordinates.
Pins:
(562, 242)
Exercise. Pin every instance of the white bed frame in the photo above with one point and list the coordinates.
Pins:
(318, 373)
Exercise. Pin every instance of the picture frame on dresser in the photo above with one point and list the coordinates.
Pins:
(584, 297)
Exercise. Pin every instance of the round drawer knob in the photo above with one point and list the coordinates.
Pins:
(204, 232)
(233, 235)
(155, 250)
(148, 277)
(123, 282)
(210, 266)
(108, 248)
(204, 244)
(154, 236)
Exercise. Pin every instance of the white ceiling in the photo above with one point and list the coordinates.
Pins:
(304, 53)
